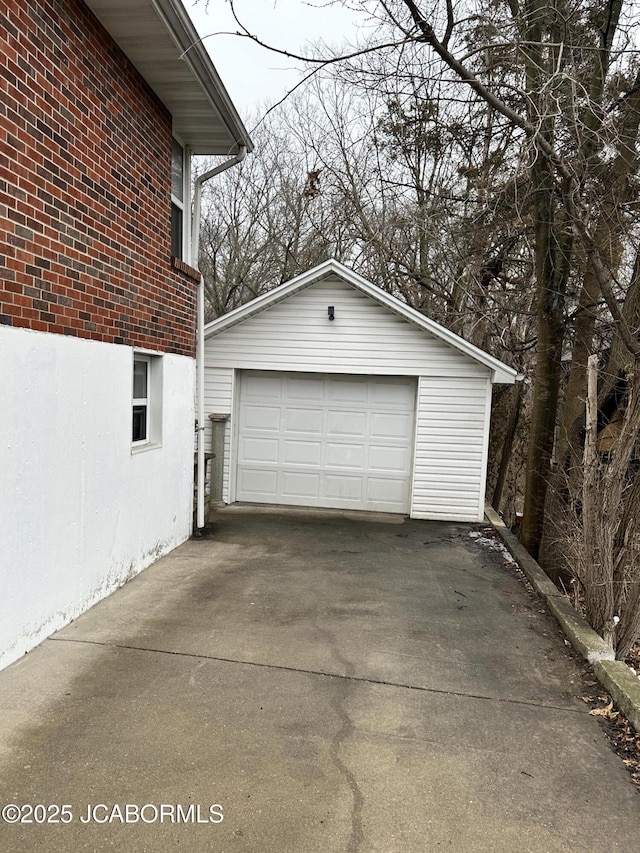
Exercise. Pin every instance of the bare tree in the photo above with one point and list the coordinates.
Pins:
(267, 222)
(482, 160)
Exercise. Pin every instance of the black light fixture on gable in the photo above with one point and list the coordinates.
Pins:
(331, 312)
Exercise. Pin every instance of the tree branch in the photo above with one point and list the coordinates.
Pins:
(576, 206)
(567, 180)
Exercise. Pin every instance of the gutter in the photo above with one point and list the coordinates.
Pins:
(195, 248)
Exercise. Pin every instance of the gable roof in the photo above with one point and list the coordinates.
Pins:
(160, 39)
(501, 373)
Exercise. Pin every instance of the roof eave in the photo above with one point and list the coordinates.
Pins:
(500, 373)
(161, 41)
(195, 55)
(267, 300)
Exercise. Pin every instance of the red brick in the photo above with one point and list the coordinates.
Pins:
(73, 185)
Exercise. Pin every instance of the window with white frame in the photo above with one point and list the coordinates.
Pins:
(177, 200)
(140, 399)
(147, 400)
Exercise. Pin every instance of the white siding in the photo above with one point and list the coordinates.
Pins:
(451, 447)
(364, 338)
(218, 399)
(81, 513)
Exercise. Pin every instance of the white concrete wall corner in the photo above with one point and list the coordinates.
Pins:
(81, 513)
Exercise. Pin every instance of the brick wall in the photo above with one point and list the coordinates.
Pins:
(85, 184)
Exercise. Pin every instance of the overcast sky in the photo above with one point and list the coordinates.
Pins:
(252, 75)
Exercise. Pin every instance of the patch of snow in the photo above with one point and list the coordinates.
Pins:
(494, 544)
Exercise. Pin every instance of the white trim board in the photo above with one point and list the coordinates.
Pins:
(500, 373)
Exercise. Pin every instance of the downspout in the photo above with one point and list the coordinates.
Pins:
(195, 248)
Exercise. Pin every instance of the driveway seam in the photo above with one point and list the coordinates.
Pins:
(439, 691)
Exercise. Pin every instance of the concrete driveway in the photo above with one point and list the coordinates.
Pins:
(322, 683)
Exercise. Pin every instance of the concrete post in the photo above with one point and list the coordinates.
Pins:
(218, 427)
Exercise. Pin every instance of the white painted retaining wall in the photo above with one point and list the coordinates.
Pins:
(80, 513)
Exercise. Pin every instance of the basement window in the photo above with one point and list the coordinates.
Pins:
(147, 401)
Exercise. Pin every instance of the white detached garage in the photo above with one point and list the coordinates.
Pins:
(338, 395)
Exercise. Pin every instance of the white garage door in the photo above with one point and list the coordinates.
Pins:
(327, 441)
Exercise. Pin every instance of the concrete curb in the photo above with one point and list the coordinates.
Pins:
(615, 676)
(624, 687)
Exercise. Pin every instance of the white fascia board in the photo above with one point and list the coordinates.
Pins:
(272, 297)
(500, 373)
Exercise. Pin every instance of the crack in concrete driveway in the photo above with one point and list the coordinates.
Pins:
(318, 679)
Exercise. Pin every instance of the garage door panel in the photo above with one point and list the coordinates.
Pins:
(396, 459)
(387, 490)
(300, 485)
(307, 389)
(257, 482)
(345, 455)
(264, 387)
(391, 394)
(353, 392)
(326, 441)
(342, 487)
(303, 420)
(302, 453)
(260, 418)
(346, 423)
(259, 450)
(388, 425)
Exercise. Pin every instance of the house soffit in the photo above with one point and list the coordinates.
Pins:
(160, 40)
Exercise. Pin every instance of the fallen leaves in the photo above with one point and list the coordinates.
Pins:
(607, 711)
(624, 739)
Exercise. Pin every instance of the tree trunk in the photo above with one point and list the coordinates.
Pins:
(598, 579)
(553, 246)
(507, 446)
(617, 191)
(619, 355)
